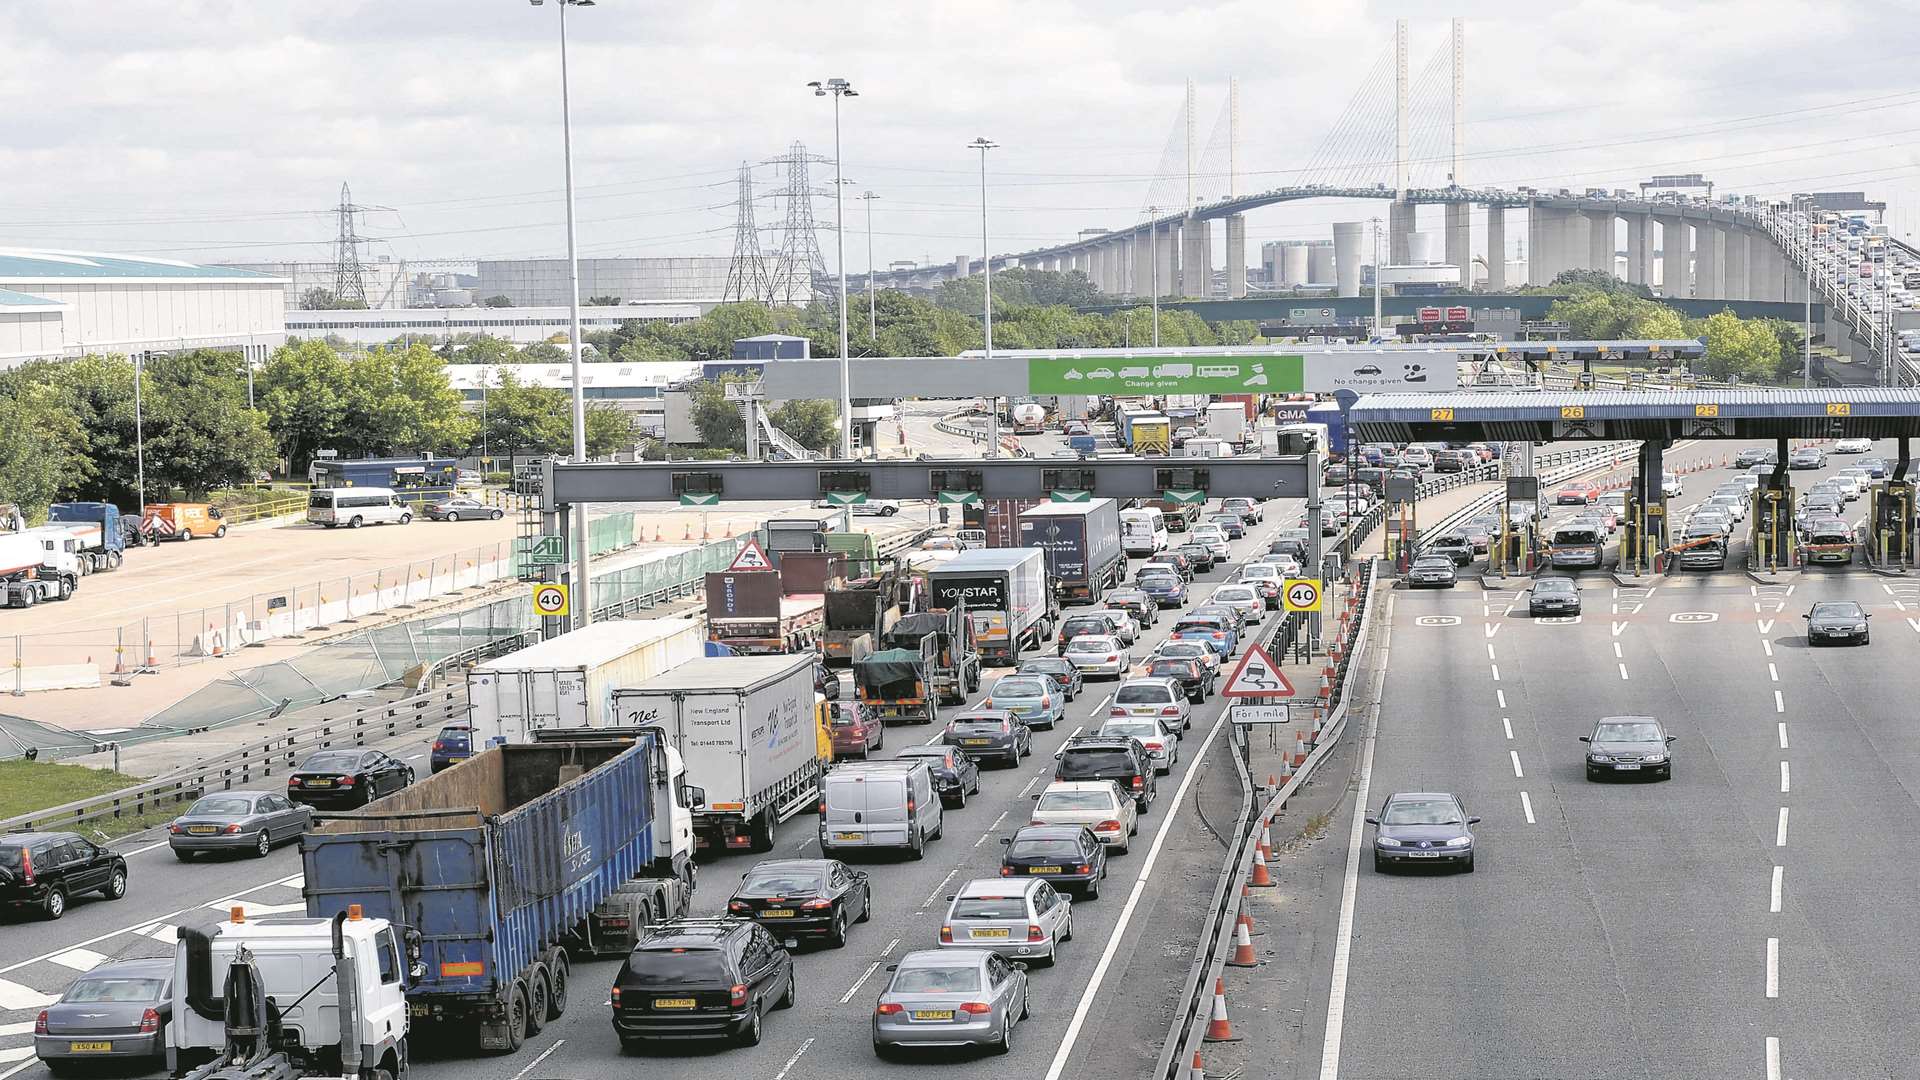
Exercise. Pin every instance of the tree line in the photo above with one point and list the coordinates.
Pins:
(1601, 307)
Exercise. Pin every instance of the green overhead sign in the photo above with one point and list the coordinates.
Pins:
(1183, 497)
(846, 498)
(1120, 376)
(1070, 496)
(547, 550)
(959, 498)
(700, 500)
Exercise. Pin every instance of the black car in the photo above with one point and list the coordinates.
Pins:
(1629, 744)
(1067, 855)
(1455, 546)
(1136, 603)
(996, 733)
(1119, 758)
(1553, 596)
(825, 682)
(701, 979)
(1198, 554)
(1334, 476)
(347, 778)
(1181, 561)
(1193, 677)
(1290, 542)
(797, 898)
(1061, 671)
(954, 773)
(46, 870)
(1837, 620)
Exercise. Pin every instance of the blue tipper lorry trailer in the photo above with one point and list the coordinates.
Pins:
(506, 865)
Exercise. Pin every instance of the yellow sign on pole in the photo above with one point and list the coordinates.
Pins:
(1303, 594)
(551, 600)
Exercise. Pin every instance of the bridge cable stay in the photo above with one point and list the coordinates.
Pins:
(1335, 146)
(1169, 177)
(1212, 182)
(1430, 150)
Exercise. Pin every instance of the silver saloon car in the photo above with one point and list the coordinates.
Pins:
(117, 1011)
(950, 998)
(249, 821)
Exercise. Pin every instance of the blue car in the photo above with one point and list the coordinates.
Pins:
(1209, 629)
(1033, 698)
(453, 745)
(1167, 590)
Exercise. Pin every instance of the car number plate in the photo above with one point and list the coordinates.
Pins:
(1626, 767)
(975, 742)
(319, 783)
(1043, 869)
(202, 830)
(988, 932)
(1424, 854)
(1142, 710)
(849, 836)
(933, 1014)
(778, 913)
(673, 1003)
(89, 1047)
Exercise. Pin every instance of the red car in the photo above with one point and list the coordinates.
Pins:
(856, 735)
(1576, 494)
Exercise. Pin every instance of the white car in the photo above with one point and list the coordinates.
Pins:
(1670, 485)
(1019, 919)
(870, 508)
(1162, 742)
(1160, 699)
(1100, 805)
(1215, 539)
(1853, 446)
(1124, 626)
(1188, 650)
(1094, 654)
(1245, 599)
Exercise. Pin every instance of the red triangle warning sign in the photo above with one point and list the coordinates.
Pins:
(752, 557)
(1257, 676)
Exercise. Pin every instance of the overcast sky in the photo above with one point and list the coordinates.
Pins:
(223, 129)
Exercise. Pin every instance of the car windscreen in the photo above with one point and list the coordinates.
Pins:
(783, 881)
(1045, 848)
(1157, 581)
(115, 988)
(1017, 687)
(9, 858)
(1234, 594)
(222, 804)
(1046, 666)
(335, 762)
(1085, 624)
(1143, 694)
(1421, 812)
(1138, 729)
(1553, 585)
(936, 980)
(1627, 732)
(1076, 764)
(1846, 610)
(1074, 800)
(1172, 669)
(1576, 536)
(990, 907)
(979, 723)
(668, 967)
(1092, 644)
(1831, 536)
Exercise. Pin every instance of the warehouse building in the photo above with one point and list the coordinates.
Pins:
(69, 303)
(692, 279)
(638, 388)
(520, 325)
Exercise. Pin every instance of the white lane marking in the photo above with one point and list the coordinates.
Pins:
(417, 757)
(1490, 655)
(1492, 629)
(1900, 605)
(864, 976)
(792, 1061)
(1779, 703)
(1077, 730)
(802, 845)
(1028, 790)
(147, 848)
(256, 910)
(1502, 696)
(1773, 1057)
(988, 835)
(1507, 726)
(1526, 807)
(1767, 645)
(1618, 628)
(1783, 735)
(1773, 672)
(531, 1065)
(15, 996)
(1773, 967)
(162, 932)
(1785, 784)
(935, 739)
(1623, 671)
(1780, 830)
(1766, 626)
(1779, 880)
(1496, 673)
(891, 945)
(938, 889)
(1915, 623)
(1119, 932)
(17, 1053)
(1515, 755)
(1617, 654)
(10, 1030)
(83, 959)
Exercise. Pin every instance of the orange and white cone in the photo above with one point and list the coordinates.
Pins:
(1242, 946)
(1198, 1071)
(1246, 916)
(1218, 1027)
(1260, 879)
(1299, 748)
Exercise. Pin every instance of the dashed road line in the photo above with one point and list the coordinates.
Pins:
(1515, 755)
(1526, 807)
(1501, 696)
(1773, 967)
(1507, 726)
(1496, 673)
(855, 988)
(1779, 702)
(1779, 881)
(792, 1061)
(1773, 1057)
(1783, 735)
(985, 836)
(1780, 830)
(1623, 670)
(1786, 784)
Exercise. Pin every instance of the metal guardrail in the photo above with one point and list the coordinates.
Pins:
(238, 768)
(1589, 461)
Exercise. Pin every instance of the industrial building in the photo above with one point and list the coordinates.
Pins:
(520, 325)
(384, 280)
(638, 388)
(70, 303)
(546, 282)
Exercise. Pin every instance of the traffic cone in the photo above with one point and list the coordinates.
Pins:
(216, 641)
(656, 532)
(1199, 1071)
(1262, 878)
(1246, 916)
(1273, 783)
(1242, 946)
(689, 532)
(1218, 1027)
(1266, 833)
(1300, 748)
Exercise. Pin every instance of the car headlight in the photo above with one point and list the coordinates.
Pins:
(1860, 629)
(1460, 841)
(1386, 841)
(1600, 758)
(1654, 759)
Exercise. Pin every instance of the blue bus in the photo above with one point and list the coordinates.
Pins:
(415, 479)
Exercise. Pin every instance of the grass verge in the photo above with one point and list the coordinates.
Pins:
(29, 786)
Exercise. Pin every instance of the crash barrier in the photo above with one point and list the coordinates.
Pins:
(1199, 1016)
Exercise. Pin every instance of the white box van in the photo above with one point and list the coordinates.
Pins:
(357, 506)
(880, 804)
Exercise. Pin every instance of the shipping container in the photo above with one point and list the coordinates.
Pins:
(750, 611)
(568, 681)
(1082, 545)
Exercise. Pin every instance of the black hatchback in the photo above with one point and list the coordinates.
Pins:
(701, 979)
(1067, 855)
(45, 870)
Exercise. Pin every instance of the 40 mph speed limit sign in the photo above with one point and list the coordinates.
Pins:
(550, 600)
(1303, 594)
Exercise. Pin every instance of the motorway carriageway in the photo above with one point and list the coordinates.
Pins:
(1749, 918)
(1087, 1010)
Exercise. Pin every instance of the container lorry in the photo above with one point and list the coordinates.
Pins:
(338, 993)
(744, 725)
(1150, 436)
(505, 866)
(98, 527)
(749, 611)
(36, 567)
(1228, 421)
(1082, 545)
(567, 682)
(1007, 596)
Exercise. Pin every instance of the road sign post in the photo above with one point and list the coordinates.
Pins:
(551, 599)
(1304, 594)
(1257, 676)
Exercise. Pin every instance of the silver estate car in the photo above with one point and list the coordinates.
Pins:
(1021, 920)
(949, 998)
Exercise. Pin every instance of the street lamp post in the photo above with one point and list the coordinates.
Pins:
(582, 599)
(1376, 279)
(984, 144)
(139, 433)
(840, 88)
(873, 334)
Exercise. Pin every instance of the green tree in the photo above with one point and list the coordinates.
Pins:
(1597, 279)
(609, 428)
(200, 434)
(480, 349)
(1742, 349)
(814, 423)
(301, 389)
(319, 299)
(603, 301)
(716, 419)
(522, 419)
(711, 336)
(498, 300)
(39, 434)
(544, 352)
(399, 401)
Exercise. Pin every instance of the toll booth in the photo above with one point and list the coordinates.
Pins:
(1890, 524)
(1772, 541)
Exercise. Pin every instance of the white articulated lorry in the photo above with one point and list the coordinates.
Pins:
(567, 682)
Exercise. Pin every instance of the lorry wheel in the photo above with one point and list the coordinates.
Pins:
(557, 974)
(66, 588)
(765, 828)
(85, 564)
(537, 1000)
(114, 559)
(29, 597)
(186, 535)
(516, 1018)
